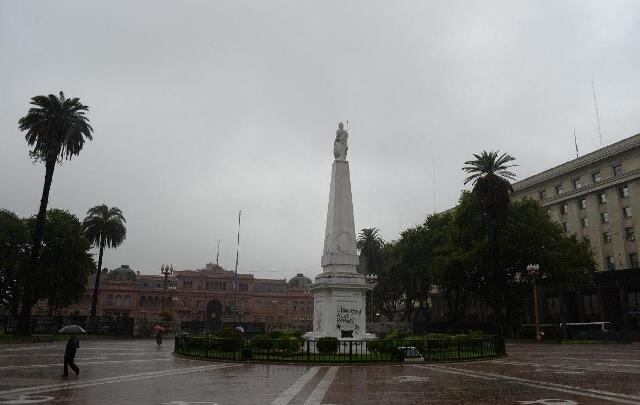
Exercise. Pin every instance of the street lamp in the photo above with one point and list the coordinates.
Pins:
(372, 280)
(166, 270)
(534, 271)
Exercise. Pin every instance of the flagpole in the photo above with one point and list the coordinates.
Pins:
(218, 254)
(235, 276)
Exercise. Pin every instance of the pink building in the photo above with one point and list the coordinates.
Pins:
(205, 295)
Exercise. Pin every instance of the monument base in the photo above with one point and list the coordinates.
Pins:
(339, 306)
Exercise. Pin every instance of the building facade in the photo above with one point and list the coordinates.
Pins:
(595, 197)
(205, 294)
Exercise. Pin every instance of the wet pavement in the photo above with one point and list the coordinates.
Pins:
(140, 372)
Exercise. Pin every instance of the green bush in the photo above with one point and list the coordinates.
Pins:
(261, 343)
(283, 345)
(228, 340)
(327, 345)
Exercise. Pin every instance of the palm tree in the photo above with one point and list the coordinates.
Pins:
(56, 128)
(490, 175)
(490, 178)
(104, 227)
(370, 245)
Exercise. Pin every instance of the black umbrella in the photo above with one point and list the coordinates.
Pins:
(72, 329)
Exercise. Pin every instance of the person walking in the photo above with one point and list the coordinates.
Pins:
(70, 354)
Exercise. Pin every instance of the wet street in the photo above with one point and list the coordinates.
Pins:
(139, 372)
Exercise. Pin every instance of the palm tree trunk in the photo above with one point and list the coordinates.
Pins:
(94, 302)
(24, 321)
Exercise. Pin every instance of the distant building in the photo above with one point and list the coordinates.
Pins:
(202, 295)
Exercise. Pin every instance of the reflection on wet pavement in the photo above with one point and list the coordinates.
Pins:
(140, 372)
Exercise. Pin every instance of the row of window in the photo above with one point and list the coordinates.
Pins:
(629, 234)
(576, 182)
(602, 198)
(611, 262)
(119, 300)
(216, 285)
(604, 218)
(590, 304)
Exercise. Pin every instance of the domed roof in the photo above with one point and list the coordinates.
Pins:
(299, 281)
(123, 272)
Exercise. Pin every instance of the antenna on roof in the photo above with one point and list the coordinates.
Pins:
(595, 104)
(433, 172)
(575, 140)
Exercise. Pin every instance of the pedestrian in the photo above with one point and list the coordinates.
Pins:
(70, 354)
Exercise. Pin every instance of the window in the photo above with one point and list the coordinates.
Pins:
(244, 287)
(585, 222)
(606, 237)
(582, 203)
(603, 198)
(617, 170)
(587, 240)
(187, 284)
(565, 227)
(577, 183)
(627, 212)
(564, 208)
(604, 216)
(217, 285)
(558, 189)
(624, 191)
(110, 300)
(633, 260)
(542, 195)
(633, 300)
(595, 177)
(630, 233)
(611, 263)
(590, 304)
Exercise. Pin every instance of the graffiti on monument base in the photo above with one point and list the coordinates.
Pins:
(348, 319)
(317, 315)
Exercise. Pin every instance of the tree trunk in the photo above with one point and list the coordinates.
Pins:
(94, 302)
(24, 321)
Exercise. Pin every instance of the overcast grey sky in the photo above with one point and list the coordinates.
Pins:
(202, 108)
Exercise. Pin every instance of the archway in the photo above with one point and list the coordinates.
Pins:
(214, 314)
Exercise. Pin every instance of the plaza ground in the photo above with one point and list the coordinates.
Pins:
(139, 372)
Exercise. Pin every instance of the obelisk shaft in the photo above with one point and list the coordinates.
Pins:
(339, 252)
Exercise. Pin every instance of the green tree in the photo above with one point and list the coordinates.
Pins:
(13, 249)
(370, 245)
(387, 293)
(490, 175)
(56, 128)
(530, 236)
(104, 227)
(65, 260)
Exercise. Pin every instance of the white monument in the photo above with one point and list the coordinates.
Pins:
(339, 292)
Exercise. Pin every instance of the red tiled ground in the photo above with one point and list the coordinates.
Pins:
(139, 372)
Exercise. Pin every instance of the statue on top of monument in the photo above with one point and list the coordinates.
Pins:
(340, 144)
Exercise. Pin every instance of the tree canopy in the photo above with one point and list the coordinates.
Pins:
(65, 260)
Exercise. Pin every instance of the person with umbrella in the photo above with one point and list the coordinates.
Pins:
(72, 345)
(159, 331)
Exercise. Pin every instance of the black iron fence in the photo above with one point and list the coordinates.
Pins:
(352, 351)
(250, 328)
(105, 325)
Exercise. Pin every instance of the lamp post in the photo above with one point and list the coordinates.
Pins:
(534, 271)
(372, 280)
(166, 270)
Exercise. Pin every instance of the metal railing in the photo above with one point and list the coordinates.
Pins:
(44, 324)
(351, 351)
